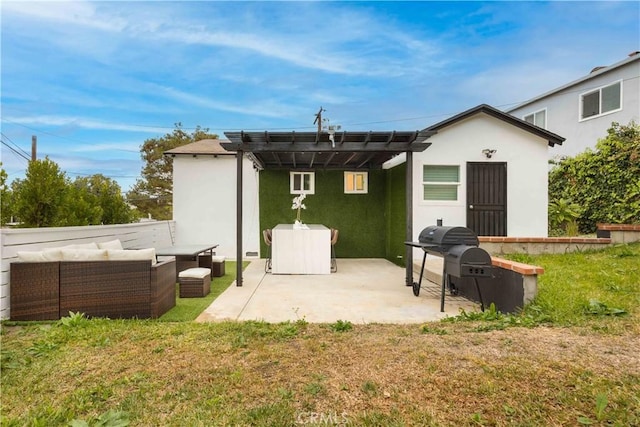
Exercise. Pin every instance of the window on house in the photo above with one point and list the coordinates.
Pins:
(606, 99)
(356, 182)
(539, 118)
(440, 182)
(302, 182)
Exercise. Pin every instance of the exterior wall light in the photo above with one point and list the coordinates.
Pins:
(488, 152)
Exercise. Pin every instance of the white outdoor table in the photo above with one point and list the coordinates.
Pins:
(301, 251)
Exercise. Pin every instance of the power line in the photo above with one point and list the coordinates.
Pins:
(63, 137)
(14, 144)
(16, 151)
(106, 176)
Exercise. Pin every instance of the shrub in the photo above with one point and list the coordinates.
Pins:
(604, 183)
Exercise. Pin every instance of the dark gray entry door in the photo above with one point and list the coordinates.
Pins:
(487, 198)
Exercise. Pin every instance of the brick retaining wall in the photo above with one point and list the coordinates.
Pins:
(608, 234)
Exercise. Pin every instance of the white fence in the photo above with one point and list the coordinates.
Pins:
(156, 234)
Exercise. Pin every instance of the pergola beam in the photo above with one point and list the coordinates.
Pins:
(331, 156)
(393, 135)
(366, 161)
(349, 159)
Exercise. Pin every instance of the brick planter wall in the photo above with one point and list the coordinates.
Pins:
(609, 234)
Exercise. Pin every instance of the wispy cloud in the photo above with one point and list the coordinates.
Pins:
(80, 13)
(254, 109)
(325, 47)
(129, 147)
(81, 122)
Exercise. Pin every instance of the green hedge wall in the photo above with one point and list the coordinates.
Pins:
(396, 218)
(366, 221)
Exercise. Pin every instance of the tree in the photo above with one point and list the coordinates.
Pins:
(106, 200)
(40, 196)
(605, 182)
(6, 195)
(153, 194)
(81, 207)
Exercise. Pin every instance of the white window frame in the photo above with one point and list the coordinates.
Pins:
(352, 175)
(456, 183)
(534, 114)
(312, 182)
(599, 90)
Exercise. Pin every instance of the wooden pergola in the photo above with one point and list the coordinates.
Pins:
(323, 150)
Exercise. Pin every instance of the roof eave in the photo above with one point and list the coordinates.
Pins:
(551, 137)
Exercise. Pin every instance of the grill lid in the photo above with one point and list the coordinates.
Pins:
(442, 237)
(462, 254)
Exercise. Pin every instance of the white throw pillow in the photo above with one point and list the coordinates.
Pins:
(46, 255)
(91, 245)
(84, 254)
(31, 256)
(132, 254)
(111, 244)
(52, 254)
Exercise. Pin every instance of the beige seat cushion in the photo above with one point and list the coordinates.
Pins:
(132, 254)
(84, 254)
(195, 273)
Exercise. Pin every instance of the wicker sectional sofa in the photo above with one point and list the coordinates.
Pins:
(114, 288)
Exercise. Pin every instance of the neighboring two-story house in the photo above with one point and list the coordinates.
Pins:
(583, 110)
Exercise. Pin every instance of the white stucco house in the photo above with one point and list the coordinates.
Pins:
(483, 168)
(204, 197)
(583, 110)
(499, 170)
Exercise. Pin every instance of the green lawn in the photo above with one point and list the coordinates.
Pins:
(189, 308)
(571, 358)
(579, 287)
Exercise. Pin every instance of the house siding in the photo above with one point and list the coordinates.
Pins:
(563, 110)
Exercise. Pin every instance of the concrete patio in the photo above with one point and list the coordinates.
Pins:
(362, 291)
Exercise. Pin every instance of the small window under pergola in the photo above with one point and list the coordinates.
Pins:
(321, 150)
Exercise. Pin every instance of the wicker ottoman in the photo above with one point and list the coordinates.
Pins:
(217, 266)
(194, 282)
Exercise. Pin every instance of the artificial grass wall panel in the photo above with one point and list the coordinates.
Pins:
(360, 218)
(396, 218)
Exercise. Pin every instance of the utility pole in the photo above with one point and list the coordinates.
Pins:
(319, 119)
(34, 149)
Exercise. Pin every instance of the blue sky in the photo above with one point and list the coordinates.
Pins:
(93, 80)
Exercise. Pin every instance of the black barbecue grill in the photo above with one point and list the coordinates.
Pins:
(462, 256)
